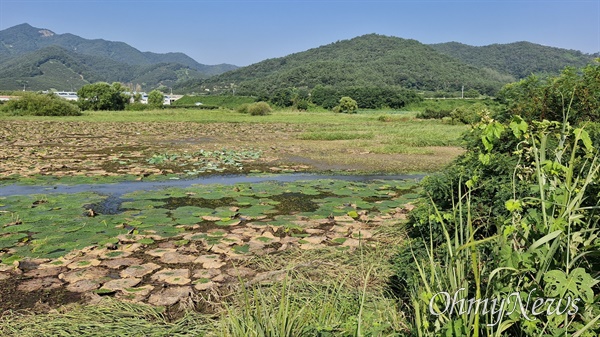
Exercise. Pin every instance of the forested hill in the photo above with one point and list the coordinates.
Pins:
(369, 60)
(23, 39)
(519, 59)
(40, 59)
(54, 67)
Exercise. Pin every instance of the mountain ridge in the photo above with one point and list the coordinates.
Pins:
(379, 60)
(507, 57)
(27, 48)
(35, 57)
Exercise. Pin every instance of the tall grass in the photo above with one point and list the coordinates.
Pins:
(546, 250)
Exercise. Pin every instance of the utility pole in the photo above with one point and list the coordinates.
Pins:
(462, 92)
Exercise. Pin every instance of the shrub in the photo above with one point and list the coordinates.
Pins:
(430, 113)
(302, 105)
(347, 105)
(471, 93)
(466, 115)
(259, 109)
(32, 104)
(243, 108)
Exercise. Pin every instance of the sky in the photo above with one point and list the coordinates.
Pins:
(246, 32)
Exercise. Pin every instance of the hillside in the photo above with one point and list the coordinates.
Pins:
(519, 59)
(42, 59)
(369, 60)
(57, 68)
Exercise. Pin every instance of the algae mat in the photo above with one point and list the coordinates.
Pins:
(168, 246)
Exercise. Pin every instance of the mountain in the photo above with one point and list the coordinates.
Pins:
(368, 60)
(39, 57)
(377, 60)
(519, 59)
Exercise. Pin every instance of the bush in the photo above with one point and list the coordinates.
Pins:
(430, 113)
(466, 115)
(347, 105)
(259, 109)
(302, 105)
(32, 104)
(243, 108)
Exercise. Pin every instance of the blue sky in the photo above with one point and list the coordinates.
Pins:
(245, 32)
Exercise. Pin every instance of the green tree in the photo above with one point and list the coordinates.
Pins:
(574, 91)
(347, 105)
(102, 96)
(471, 93)
(155, 98)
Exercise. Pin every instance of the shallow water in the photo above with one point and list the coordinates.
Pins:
(118, 189)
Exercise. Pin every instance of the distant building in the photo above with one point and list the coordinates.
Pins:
(68, 95)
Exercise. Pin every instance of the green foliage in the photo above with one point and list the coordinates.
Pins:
(32, 104)
(303, 105)
(155, 99)
(259, 109)
(288, 97)
(366, 97)
(326, 97)
(430, 113)
(517, 213)
(347, 105)
(518, 59)
(44, 62)
(243, 108)
(468, 115)
(471, 93)
(574, 95)
(102, 96)
(373, 61)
